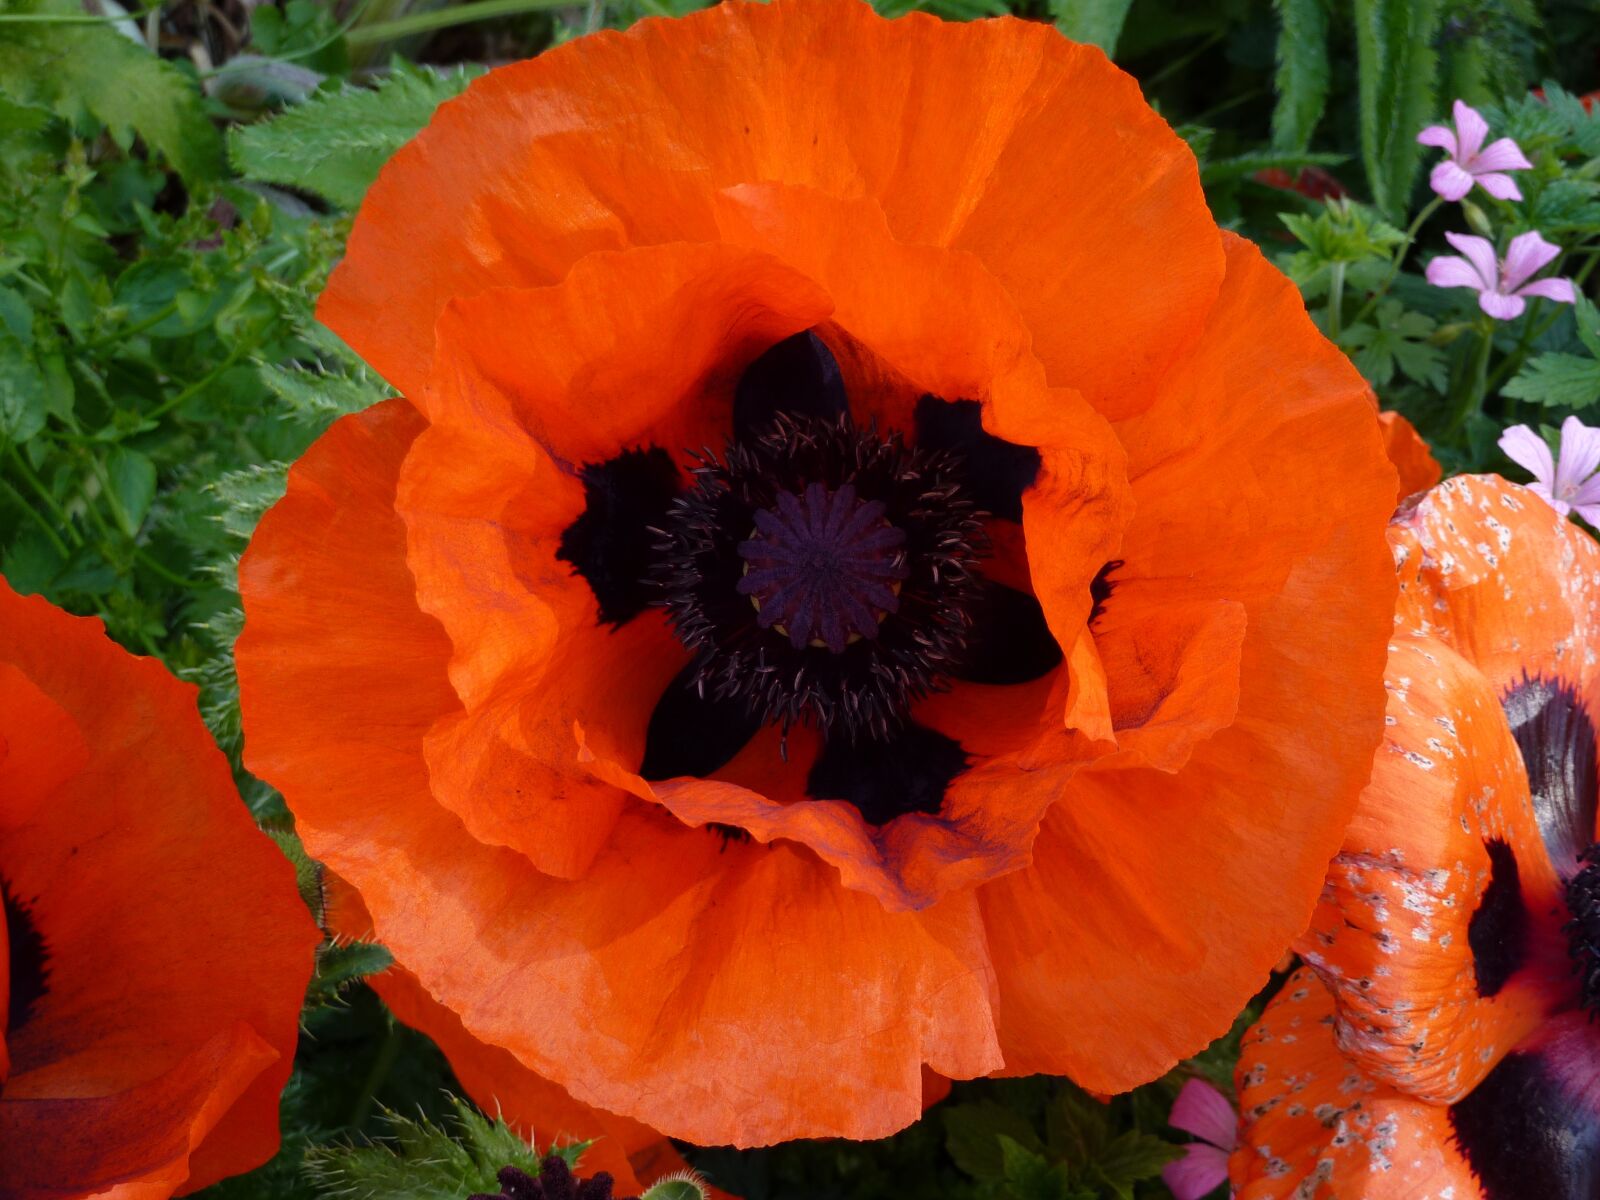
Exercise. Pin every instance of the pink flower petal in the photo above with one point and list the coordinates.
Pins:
(1202, 1110)
(1543, 492)
(1199, 1173)
(1579, 457)
(1526, 256)
(1471, 129)
(1480, 253)
(1590, 513)
(1501, 187)
(1502, 155)
(1559, 290)
(1588, 493)
(1449, 180)
(1527, 449)
(1439, 135)
(1447, 270)
(1501, 306)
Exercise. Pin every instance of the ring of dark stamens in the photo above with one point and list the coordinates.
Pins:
(1583, 930)
(822, 644)
(555, 1181)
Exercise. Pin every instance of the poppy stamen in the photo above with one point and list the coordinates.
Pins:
(1583, 930)
(823, 574)
(555, 1181)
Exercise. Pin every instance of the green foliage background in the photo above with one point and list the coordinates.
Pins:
(176, 182)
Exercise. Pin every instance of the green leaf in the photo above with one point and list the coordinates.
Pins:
(341, 964)
(1098, 22)
(90, 71)
(1131, 1158)
(1077, 1126)
(687, 1186)
(973, 1133)
(1398, 70)
(1397, 340)
(1302, 80)
(1242, 165)
(16, 317)
(1031, 1176)
(335, 143)
(317, 397)
(1558, 381)
(133, 487)
(1587, 319)
(22, 393)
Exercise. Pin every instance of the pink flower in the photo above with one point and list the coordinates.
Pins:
(1469, 161)
(1205, 1112)
(1568, 481)
(1501, 288)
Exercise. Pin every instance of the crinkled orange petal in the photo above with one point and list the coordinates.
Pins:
(1412, 459)
(1315, 1128)
(1494, 572)
(41, 746)
(1157, 903)
(997, 137)
(1396, 931)
(530, 652)
(692, 985)
(137, 1143)
(167, 917)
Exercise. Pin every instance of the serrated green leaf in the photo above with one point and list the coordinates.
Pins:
(317, 397)
(1586, 317)
(83, 71)
(1558, 381)
(1030, 1176)
(1077, 1126)
(336, 142)
(339, 965)
(23, 393)
(1302, 79)
(1132, 1157)
(1098, 22)
(243, 496)
(1398, 69)
(973, 1132)
(676, 1187)
(1397, 340)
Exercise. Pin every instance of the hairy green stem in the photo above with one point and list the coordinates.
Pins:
(1399, 259)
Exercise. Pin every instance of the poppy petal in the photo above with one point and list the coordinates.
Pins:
(1152, 854)
(970, 136)
(722, 945)
(487, 546)
(142, 1142)
(1316, 1128)
(1411, 457)
(112, 1008)
(41, 746)
(1432, 931)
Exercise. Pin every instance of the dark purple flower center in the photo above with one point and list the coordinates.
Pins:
(824, 567)
(1583, 930)
(555, 1181)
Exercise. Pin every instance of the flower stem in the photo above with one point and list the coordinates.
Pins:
(1335, 299)
(1399, 258)
(1477, 378)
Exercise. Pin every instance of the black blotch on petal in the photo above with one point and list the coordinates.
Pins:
(886, 779)
(996, 472)
(1557, 739)
(1498, 931)
(798, 376)
(1525, 1138)
(29, 968)
(1010, 641)
(1100, 589)
(691, 734)
(610, 543)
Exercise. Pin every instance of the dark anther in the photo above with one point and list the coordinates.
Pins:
(824, 567)
(858, 554)
(555, 1181)
(609, 544)
(1583, 930)
(29, 967)
(799, 376)
(1498, 931)
(1557, 738)
(996, 472)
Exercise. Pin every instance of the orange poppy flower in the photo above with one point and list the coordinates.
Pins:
(1459, 931)
(965, 701)
(158, 951)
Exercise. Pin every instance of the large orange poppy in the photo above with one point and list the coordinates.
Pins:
(1459, 931)
(154, 952)
(965, 700)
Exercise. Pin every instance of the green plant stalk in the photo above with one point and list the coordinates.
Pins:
(38, 518)
(445, 18)
(73, 19)
(1477, 377)
(1335, 299)
(37, 484)
(1399, 259)
(383, 1063)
